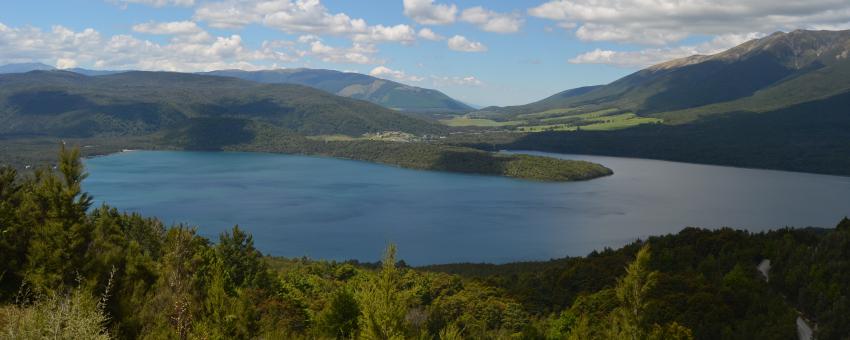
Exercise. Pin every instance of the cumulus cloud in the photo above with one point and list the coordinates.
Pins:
(175, 27)
(428, 34)
(662, 22)
(158, 3)
(386, 72)
(380, 33)
(356, 54)
(460, 43)
(65, 63)
(426, 12)
(490, 21)
(652, 56)
(181, 30)
(456, 80)
(67, 48)
(306, 17)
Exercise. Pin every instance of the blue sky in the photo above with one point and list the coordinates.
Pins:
(481, 52)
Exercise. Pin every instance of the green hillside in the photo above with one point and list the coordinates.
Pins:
(761, 75)
(780, 102)
(383, 92)
(154, 110)
(67, 104)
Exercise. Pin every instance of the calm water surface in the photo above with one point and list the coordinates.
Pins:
(338, 209)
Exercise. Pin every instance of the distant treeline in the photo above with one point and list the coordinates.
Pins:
(810, 137)
(73, 271)
(428, 156)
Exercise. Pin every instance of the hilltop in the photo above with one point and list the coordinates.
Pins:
(383, 92)
(779, 102)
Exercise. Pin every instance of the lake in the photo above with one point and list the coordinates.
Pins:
(335, 209)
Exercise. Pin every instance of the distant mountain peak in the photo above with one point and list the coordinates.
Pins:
(797, 49)
(383, 92)
(25, 67)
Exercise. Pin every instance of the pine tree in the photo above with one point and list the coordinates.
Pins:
(383, 303)
(56, 211)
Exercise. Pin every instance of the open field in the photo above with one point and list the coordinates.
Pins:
(477, 122)
(560, 120)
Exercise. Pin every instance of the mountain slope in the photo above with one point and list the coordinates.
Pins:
(63, 103)
(358, 86)
(789, 67)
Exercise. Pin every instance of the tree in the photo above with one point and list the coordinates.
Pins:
(627, 319)
(241, 261)
(384, 305)
(56, 210)
(341, 318)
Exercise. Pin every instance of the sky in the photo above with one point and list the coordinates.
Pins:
(495, 52)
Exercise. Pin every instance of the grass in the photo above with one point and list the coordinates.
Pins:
(477, 122)
(561, 120)
(558, 120)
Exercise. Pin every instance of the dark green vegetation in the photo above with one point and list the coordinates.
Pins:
(155, 110)
(66, 104)
(383, 92)
(779, 102)
(75, 271)
(431, 156)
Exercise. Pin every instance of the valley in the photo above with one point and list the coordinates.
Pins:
(702, 197)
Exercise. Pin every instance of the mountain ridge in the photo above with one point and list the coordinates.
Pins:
(384, 92)
(140, 102)
(702, 80)
(380, 91)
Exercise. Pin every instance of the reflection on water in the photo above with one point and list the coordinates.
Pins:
(339, 209)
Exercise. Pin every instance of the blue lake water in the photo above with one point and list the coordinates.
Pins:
(338, 209)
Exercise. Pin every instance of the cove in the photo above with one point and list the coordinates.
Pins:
(335, 209)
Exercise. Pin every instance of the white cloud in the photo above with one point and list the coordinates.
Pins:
(307, 17)
(456, 80)
(428, 34)
(490, 21)
(398, 33)
(175, 27)
(181, 30)
(304, 39)
(386, 72)
(660, 22)
(460, 43)
(88, 48)
(356, 54)
(426, 12)
(65, 63)
(653, 56)
(159, 3)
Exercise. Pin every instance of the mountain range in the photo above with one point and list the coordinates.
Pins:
(383, 92)
(765, 74)
(68, 104)
(779, 102)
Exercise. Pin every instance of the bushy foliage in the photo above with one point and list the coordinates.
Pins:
(170, 283)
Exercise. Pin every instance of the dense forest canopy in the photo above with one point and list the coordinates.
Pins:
(72, 270)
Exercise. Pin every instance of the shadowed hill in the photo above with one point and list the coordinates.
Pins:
(359, 86)
(759, 75)
(62, 103)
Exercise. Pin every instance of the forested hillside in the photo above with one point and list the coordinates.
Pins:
(76, 271)
(66, 104)
(779, 102)
(383, 92)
